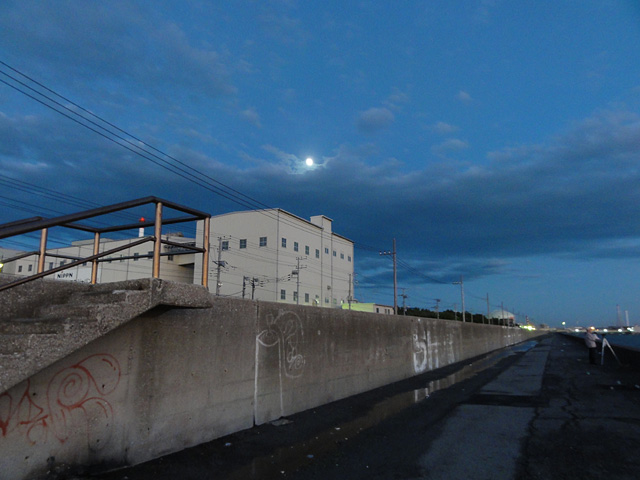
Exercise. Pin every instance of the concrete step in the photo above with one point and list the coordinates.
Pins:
(25, 326)
(12, 344)
(72, 311)
(49, 321)
(106, 296)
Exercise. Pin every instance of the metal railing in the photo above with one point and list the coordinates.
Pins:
(43, 225)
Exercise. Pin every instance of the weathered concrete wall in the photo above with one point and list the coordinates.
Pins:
(174, 378)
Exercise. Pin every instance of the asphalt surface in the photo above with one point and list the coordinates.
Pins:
(534, 411)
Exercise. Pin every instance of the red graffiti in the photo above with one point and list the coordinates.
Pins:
(74, 394)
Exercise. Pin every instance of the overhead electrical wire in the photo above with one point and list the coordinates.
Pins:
(135, 145)
(188, 173)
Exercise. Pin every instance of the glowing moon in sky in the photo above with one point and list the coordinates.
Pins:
(309, 161)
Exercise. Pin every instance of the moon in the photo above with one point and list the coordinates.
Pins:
(309, 161)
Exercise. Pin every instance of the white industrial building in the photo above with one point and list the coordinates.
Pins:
(261, 254)
(276, 256)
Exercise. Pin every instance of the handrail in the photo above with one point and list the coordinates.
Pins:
(21, 227)
(18, 228)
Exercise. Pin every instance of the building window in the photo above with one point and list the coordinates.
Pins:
(170, 258)
(334, 253)
(295, 296)
(326, 300)
(121, 259)
(377, 310)
(243, 243)
(284, 242)
(263, 241)
(135, 256)
(295, 246)
(283, 294)
(63, 262)
(30, 268)
(225, 245)
(341, 256)
(349, 258)
(19, 268)
(306, 250)
(326, 250)
(317, 253)
(306, 298)
(150, 255)
(50, 265)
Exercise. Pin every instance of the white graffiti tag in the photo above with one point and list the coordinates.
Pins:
(287, 334)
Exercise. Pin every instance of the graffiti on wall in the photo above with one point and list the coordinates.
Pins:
(281, 341)
(285, 332)
(420, 348)
(75, 398)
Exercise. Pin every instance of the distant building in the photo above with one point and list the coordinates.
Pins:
(6, 253)
(129, 264)
(276, 256)
(369, 307)
(503, 316)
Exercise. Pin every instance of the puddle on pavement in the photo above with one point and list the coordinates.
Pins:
(286, 460)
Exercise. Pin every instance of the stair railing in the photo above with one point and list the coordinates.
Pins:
(43, 225)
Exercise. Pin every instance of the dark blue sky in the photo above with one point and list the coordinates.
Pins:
(495, 140)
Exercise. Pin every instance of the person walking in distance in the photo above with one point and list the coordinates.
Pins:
(590, 340)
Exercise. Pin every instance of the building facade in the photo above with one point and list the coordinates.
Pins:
(129, 264)
(369, 307)
(276, 256)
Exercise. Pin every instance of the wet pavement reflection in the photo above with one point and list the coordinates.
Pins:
(291, 458)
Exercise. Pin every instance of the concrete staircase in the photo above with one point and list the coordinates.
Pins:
(44, 321)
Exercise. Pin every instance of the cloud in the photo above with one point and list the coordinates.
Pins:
(251, 116)
(284, 27)
(396, 99)
(449, 145)
(578, 193)
(291, 164)
(464, 97)
(374, 120)
(443, 128)
(112, 45)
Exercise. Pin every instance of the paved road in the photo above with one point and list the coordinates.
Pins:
(534, 411)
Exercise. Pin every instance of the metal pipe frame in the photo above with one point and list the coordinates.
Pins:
(21, 227)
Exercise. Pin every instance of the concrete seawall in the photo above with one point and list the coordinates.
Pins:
(174, 377)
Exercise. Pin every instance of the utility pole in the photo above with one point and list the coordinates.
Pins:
(488, 312)
(349, 297)
(404, 299)
(296, 272)
(395, 277)
(461, 283)
(254, 280)
(219, 263)
(438, 308)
